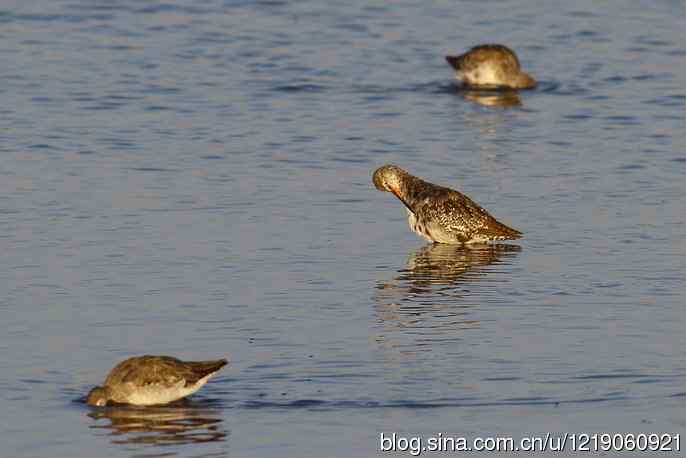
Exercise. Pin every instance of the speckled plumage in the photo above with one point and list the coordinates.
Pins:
(490, 66)
(150, 380)
(441, 214)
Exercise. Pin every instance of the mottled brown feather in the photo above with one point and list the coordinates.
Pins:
(437, 208)
(483, 53)
(498, 59)
(161, 370)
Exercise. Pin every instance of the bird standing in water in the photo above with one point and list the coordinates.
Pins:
(490, 67)
(439, 214)
(151, 380)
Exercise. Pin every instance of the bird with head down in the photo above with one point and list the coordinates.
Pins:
(440, 214)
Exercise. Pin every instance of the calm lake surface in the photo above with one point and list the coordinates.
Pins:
(193, 178)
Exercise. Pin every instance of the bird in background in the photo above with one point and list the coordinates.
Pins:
(152, 380)
(440, 214)
(490, 66)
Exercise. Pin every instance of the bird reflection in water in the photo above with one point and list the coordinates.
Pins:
(440, 268)
(428, 299)
(174, 424)
(502, 99)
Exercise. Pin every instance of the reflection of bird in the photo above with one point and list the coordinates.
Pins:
(504, 99)
(490, 66)
(441, 214)
(428, 302)
(437, 269)
(150, 380)
(164, 424)
(441, 264)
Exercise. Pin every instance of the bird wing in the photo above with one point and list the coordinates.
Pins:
(462, 217)
(151, 370)
(479, 55)
(485, 52)
(456, 214)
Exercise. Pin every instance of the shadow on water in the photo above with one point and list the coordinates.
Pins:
(180, 423)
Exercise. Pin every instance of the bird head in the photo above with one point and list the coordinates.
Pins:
(388, 178)
(99, 396)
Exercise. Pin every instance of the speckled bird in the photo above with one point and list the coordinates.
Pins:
(152, 380)
(490, 66)
(439, 214)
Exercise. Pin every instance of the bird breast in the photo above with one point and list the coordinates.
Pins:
(485, 75)
(418, 227)
(152, 394)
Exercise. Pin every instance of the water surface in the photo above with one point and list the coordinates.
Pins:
(194, 179)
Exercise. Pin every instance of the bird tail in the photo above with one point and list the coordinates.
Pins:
(455, 61)
(204, 368)
(503, 232)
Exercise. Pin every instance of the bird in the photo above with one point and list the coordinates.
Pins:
(153, 380)
(440, 214)
(490, 66)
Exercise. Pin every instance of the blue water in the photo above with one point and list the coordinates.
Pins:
(194, 179)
